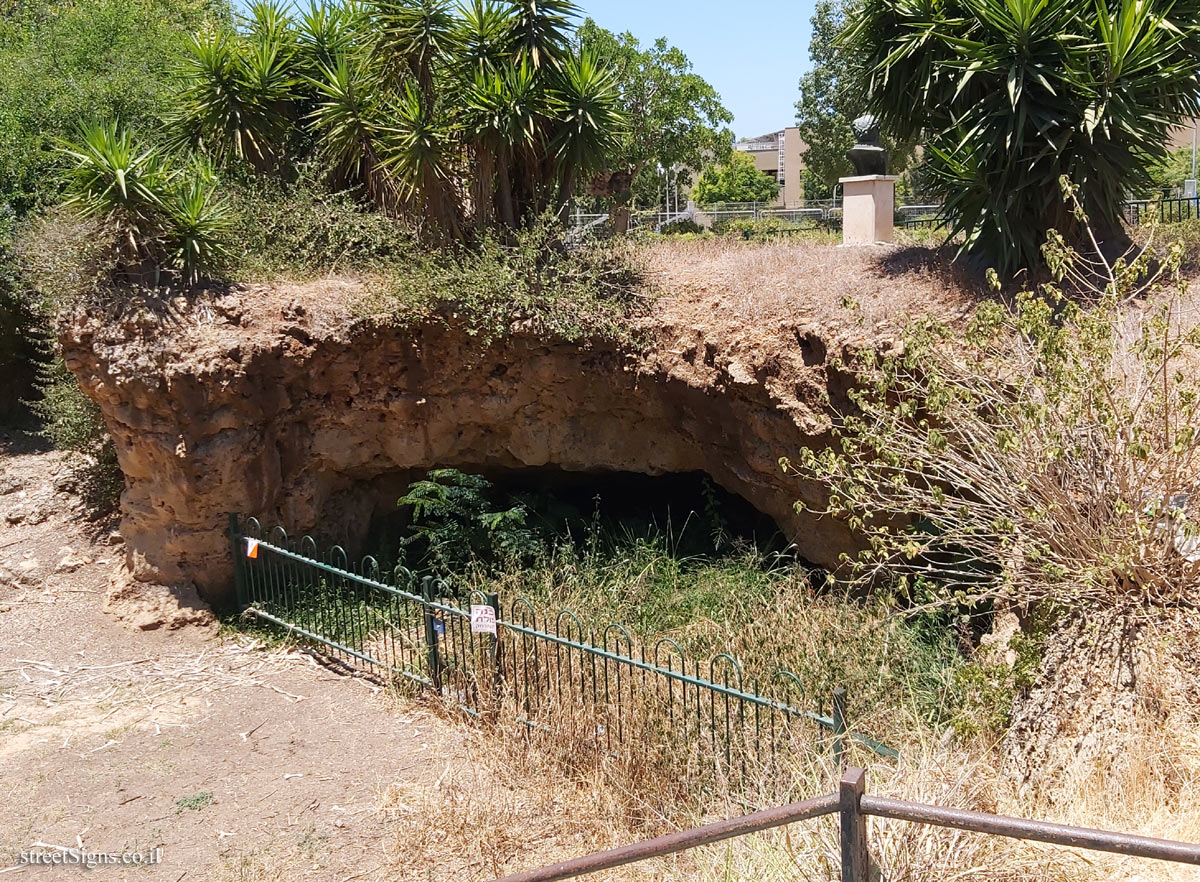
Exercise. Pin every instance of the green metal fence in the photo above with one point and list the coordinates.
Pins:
(547, 669)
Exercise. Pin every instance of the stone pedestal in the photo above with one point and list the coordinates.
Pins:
(868, 207)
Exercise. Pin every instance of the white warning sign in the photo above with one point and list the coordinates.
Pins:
(483, 619)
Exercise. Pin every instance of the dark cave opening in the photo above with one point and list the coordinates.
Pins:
(690, 512)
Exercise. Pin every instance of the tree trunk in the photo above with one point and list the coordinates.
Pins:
(566, 194)
(619, 217)
(484, 192)
(507, 212)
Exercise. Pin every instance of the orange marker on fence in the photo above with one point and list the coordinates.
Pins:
(252, 548)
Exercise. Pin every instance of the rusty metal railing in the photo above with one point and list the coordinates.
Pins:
(854, 805)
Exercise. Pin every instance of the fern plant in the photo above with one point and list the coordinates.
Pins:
(459, 523)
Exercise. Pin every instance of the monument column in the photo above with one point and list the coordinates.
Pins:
(868, 198)
(868, 209)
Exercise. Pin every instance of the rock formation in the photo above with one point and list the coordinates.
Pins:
(257, 403)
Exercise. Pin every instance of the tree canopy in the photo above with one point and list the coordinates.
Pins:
(676, 118)
(832, 95)
(86, 61)
(735, 180)
(460, 117)
(1012, 95)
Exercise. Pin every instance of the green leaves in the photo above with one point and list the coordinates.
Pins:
(430, 109)
(236, 98)
(583, 100)
(1010, 95)
(736, 180)
(161, 216)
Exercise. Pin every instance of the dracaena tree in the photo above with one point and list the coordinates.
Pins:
(1008, 96)
(459, 117)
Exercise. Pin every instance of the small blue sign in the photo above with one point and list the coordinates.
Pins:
(439, 626)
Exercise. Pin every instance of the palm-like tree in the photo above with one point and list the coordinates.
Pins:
(431, 109)
(419, 158)
(236, 98)
(1011, 95)
(117, 182)
(504, 111)
(412, 38)
(541, 31)
(349, 122)
(584, 101)
(485, 35)
(159, 215)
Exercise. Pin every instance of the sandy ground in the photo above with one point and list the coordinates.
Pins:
(239, 761)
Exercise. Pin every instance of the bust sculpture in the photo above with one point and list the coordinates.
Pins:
(866, 154)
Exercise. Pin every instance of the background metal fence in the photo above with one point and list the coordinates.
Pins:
(1167, 211)
(827, 215)
(545, 668)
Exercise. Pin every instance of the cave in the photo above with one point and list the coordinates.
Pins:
(696, 516)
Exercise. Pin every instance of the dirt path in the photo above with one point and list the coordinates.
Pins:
(238, 761)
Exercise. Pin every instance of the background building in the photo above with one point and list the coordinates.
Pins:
(780, 154)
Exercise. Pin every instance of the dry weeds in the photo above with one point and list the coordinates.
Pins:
(528, 801)
(782, 281)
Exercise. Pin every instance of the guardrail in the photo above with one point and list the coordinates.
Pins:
(854, 805)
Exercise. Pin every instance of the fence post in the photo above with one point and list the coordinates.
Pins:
(497, 662)
(856, 860)
(431, 634)
(239, 551)
(839, 727)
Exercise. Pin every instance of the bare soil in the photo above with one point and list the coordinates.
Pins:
(239, 760)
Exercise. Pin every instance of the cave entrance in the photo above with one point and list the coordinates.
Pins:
(687, 511)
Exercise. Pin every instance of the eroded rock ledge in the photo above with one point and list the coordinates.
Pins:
(269, 401)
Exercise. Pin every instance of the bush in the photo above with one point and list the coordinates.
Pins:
(749, 227)
(533, 283)
(461, 523)
(72, 422)
(159, 216)
(301, 229)
(1048, 455)
(84, 61)
(682, 227)
(18, 324)
(65, 261)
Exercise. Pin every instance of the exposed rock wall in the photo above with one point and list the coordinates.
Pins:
(308, 422)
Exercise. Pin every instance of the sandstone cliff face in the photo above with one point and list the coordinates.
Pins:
(263, 403)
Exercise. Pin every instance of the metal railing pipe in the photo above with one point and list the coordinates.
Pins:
(1038, 831)
(683, 840)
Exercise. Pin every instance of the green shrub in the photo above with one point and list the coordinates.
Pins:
(680, 227)
(86, 61)
(72, 422)
(160, 216)
(301, 229)
(460, 522)
(19, 327)
(533, 283)
(748, 227)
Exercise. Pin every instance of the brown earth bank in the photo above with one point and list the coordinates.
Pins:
(277, 400)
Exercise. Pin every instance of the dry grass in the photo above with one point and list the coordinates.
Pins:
(549, 795)
(757, 281)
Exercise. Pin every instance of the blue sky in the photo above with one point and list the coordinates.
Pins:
(752, 51)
